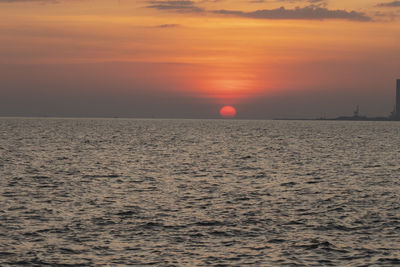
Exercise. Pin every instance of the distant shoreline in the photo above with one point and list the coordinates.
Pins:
(339, 119)
(235, 119)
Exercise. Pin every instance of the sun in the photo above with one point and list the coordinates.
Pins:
(227, 112)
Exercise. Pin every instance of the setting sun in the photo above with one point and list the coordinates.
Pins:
(199, 132)
(228, 112)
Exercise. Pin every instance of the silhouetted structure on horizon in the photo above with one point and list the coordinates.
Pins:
(394, 116)
(398, 99)
(356, 116)
(357, 111)
(396, 112)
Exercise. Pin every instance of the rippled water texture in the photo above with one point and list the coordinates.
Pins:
(203, 193)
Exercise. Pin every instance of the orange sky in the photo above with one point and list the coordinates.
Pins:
(228, 51)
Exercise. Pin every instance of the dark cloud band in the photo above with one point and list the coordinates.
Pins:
(306, 13)
(178, 6)
(389, 4)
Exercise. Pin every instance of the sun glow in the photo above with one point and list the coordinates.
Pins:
(227, 112)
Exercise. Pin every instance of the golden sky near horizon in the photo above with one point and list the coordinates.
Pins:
(225, 50)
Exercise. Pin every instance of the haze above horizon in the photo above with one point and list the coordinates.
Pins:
(188, 59)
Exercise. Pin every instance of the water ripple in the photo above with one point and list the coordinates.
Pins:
(92, 192)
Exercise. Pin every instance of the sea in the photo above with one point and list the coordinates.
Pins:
(148, 192)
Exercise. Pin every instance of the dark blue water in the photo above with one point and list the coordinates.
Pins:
(199, 193)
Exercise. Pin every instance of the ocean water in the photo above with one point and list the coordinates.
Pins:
(93, 192)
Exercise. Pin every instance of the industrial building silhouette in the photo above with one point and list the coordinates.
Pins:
(397, 111)
(394, 116)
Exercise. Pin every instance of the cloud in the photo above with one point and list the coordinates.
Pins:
(312, 12)
(389, 4)
(257, 1)
(168, 26)
(175, 5)
(26, 1)
(305, 13)
(317, 11)
(314, 3)
(287, 1)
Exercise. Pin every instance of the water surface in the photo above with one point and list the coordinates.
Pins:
(199, 192)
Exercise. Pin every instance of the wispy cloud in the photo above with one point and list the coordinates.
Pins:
(389, 4)
(312, 12)
(289, 1)
(175, 5)
(26, 1)
(305, 13)
(168, 26)
(316, 11)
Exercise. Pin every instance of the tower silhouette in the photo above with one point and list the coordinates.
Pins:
(398, 99)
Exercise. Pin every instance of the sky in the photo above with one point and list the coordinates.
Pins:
(187, 59)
